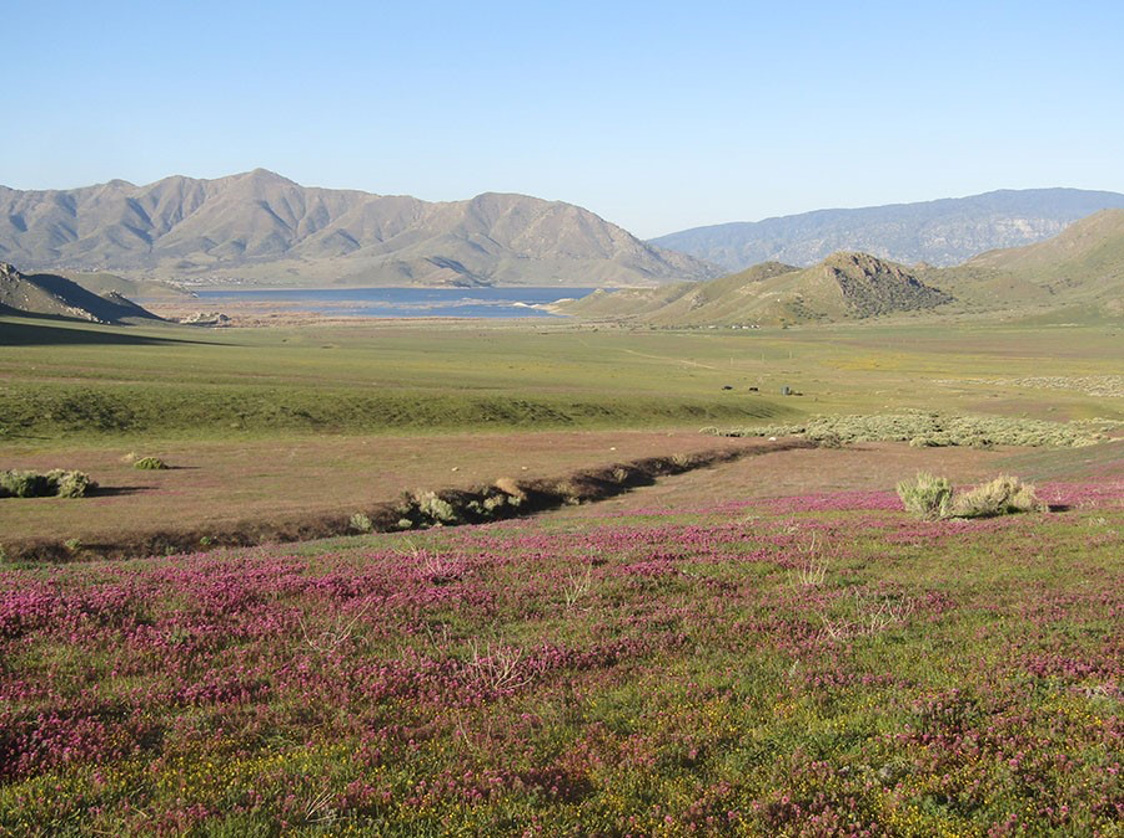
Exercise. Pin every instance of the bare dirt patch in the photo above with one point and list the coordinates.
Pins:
(869, 466)
(302, 488)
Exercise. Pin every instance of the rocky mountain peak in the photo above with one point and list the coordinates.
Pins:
(872, 286)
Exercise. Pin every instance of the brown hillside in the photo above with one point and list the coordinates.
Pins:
(845, 286)
(56, 296)
(261, 227)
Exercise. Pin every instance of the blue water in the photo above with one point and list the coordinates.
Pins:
(408, 302)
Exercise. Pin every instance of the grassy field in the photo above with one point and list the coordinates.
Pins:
(769, 646)
(88, 382)
(265, 423)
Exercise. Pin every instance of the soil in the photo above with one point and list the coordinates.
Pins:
(300, 488)
(241, 494)
(874, 466)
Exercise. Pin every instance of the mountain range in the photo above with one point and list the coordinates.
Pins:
(261, 228)
(1076, 274)
(941, 233)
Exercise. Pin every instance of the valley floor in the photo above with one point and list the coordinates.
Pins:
(763, 644)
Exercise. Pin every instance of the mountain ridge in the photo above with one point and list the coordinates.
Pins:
(260, 227)
(941, 232)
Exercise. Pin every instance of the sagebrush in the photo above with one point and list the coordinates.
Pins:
(926, 495)
(933, 498)
(927, 429)
(1002, 496)
(150, 464)
(54, 483)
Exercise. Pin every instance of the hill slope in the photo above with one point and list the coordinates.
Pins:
(845, 286)
(1078, 273)
(56, 296)
(1082, 268)
(942, 233)
(261, 227)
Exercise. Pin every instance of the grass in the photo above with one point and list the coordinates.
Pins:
(269, 423)
(389, 379)
(224, 484)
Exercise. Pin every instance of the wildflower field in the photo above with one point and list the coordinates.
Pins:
(813, 665)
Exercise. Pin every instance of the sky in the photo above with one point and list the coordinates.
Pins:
(657, 116)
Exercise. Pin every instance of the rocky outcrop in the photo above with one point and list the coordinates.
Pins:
(56, 296)
(872, 287)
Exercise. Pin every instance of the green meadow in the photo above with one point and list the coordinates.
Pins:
(65, 382)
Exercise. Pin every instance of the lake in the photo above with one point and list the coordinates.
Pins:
(406, 302)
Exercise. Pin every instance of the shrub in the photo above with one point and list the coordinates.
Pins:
(827, 439)
(494, 502)
(150, 464)
(1002, 496)
(434, 510)
(57, 482)
(360, 523)
(930, 429)
(926, 495)
(70, 484)
(932, 497)
(23, 484)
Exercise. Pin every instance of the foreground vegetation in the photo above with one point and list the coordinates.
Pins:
(802, 666)
(54, 483)
(932, 497)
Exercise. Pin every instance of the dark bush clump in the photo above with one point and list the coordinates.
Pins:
(55, 483)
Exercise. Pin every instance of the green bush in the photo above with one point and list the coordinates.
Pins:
(150, 464)
(926, 495)
(24, 484)
(436, 510)
(932, 497)
(1002, 496)
(360, 523)
(70, 484)
(55, 483)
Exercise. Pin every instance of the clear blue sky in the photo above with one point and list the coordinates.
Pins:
(658, 116)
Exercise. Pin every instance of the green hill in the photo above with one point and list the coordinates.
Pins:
(845, 286)
(1079, 271)
(104, 284)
